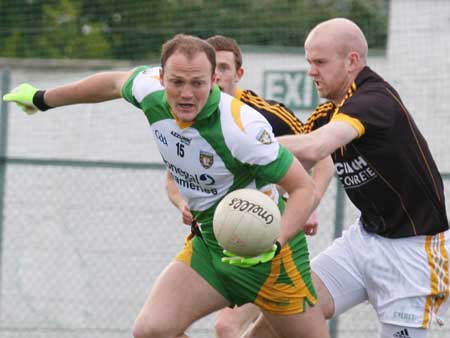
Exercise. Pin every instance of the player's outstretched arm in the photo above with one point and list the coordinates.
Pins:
(99, 87)
(320, 143)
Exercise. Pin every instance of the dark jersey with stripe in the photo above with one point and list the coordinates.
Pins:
(388, 171)
(281, 118)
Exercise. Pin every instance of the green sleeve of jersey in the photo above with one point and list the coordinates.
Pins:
(127, 89)
(276, 170)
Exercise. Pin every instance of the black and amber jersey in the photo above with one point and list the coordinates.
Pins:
(387, 171)
(281, 118)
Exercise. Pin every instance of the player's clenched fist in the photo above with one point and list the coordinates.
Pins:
(28, 98)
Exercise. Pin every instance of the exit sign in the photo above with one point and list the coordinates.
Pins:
(293, 88)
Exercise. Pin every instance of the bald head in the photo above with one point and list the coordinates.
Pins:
(341, 33)
(336, 51)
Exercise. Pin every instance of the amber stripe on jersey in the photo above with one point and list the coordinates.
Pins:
(410, 122)
(276, 109)
(351, 120)
(321, 111)
(326, 110)
(236, 112)
(349, 94)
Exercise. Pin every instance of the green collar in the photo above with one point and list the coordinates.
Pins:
(211, 105)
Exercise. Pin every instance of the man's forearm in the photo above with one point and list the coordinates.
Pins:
(300, 146)
(173, 193)
(96, 88)
(299, 207)
(322, 174)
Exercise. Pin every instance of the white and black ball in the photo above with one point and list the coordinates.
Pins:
(247, 222)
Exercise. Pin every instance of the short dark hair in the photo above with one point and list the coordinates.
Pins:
(189, 46)
(223, 43)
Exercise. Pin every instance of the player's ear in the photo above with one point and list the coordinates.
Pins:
(161, 76)
(240, 73)
(352, 61)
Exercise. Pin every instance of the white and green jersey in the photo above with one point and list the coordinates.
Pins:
(229, 145)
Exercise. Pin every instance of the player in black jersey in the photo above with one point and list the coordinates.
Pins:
(232, 322)
(396, 255)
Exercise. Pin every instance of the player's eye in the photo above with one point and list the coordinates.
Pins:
(198, 83)
(177, 82)
(222, 68)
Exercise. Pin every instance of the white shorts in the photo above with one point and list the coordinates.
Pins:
(406, 280)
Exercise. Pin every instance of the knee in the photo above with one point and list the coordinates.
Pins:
(324, 300)
(223, 328)
(224, 325)
(151, 329)
(143, 331)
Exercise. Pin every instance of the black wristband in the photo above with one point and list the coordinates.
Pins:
(39, 102)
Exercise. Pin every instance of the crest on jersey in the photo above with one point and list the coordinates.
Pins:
(264, 137)
(206, 159)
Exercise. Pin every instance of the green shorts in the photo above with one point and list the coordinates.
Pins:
(281, 286)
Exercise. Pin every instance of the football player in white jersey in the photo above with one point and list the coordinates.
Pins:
(212, 144)
(233, 322)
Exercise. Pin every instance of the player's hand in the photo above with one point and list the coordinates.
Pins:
(246, 262)
(23, 96)
(311, 225)
(186, 213)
